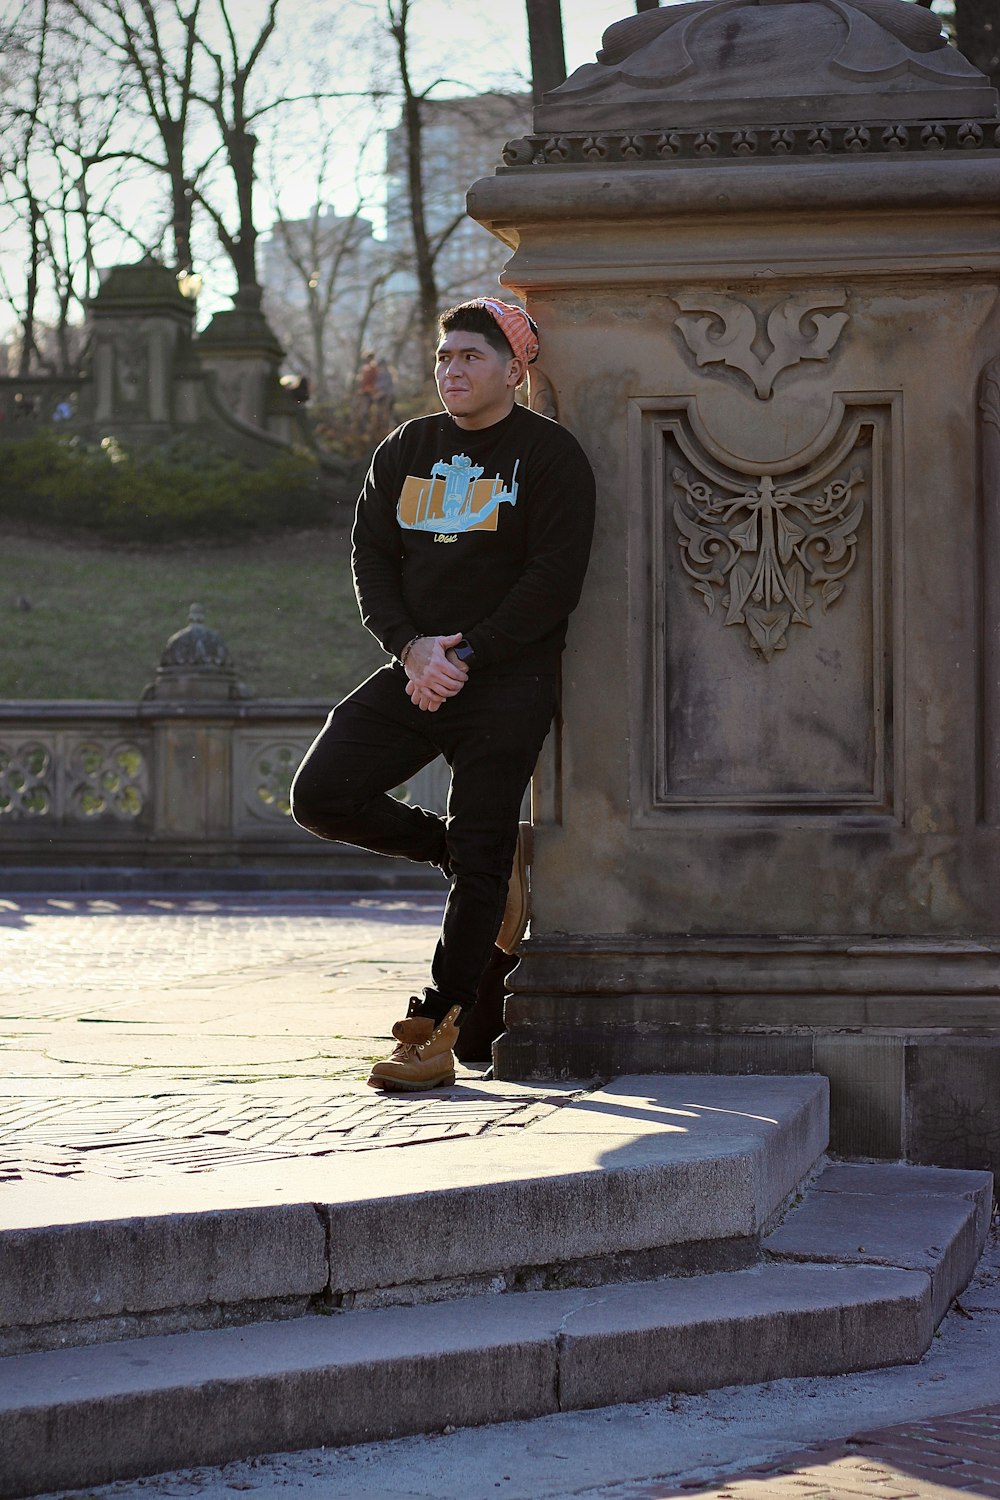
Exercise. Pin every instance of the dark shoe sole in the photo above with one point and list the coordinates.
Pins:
(399, 1086)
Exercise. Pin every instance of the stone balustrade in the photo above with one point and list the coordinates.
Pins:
(193, 785)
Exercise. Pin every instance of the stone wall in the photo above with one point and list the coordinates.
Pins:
(760, 241)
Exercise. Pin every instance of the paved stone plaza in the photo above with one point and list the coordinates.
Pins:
(153, 1042)
(179, 1034)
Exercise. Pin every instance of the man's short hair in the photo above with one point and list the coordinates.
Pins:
(472, 317)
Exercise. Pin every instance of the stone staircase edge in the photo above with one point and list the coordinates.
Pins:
(107, 1275)
(419, 1369)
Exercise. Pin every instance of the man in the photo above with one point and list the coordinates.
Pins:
(470, 545)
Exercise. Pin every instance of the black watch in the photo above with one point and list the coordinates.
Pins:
(465, 653)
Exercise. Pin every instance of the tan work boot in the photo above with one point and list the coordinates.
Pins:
(423, 1058)
(518, 908)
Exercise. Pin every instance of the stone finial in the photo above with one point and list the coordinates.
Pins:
(754, 62)
(196, 664)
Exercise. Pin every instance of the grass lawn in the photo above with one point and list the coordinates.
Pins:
(100, 615)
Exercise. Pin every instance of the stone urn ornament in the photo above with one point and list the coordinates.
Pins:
(196, 663)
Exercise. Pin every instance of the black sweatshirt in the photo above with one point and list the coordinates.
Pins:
(485, 532)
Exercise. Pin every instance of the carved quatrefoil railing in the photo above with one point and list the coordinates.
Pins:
(762, 552)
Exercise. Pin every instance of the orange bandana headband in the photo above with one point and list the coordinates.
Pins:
(517, 328)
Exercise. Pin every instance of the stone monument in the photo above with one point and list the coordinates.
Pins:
(762, 241)
(141, 329)
(241, 349)
(152, 378)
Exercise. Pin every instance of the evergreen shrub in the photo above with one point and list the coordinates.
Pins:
(177, 491)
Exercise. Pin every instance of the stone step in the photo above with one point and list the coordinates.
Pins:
(856, 1275)
(642, 1177)
(927, 1219)
(87, 1416)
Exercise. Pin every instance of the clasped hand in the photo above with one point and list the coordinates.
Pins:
(434, 673)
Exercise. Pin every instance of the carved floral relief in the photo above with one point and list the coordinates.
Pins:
(731, 334)
(770, 554)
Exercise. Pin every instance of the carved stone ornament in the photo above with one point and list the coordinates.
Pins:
(132, 366)
(730, 331)
(196, 645)
(748, 63)
(273, 767)
(26, 781)
(731, 145)
(763, 551)
(108, 780)
(196, 664)
(541, 394)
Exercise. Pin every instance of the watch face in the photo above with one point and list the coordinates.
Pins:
(464, 651)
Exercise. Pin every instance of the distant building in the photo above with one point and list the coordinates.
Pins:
(300, 250)
(461, 141)
(322, 277)
(333, 291)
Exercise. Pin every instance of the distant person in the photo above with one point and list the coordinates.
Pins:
(297, 387)
(365, 390)
(470, 545)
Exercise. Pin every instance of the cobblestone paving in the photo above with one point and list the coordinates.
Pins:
(149, 1035)
(931, 1460)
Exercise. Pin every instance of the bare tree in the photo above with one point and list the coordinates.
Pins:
(227, 100)
(152, 46)
(23, 195)
(59, 191)
(324, 271)
(398, 14)
(176, 78)
(430, 233)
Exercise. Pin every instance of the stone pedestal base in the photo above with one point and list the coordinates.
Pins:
(906, 1030)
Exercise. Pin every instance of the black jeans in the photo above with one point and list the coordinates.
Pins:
(490, 734)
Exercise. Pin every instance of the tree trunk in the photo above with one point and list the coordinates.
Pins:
(242, 246)
(28, 346)
(423, 256)
(545, 44)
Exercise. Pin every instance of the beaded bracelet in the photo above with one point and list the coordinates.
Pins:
(407, 649)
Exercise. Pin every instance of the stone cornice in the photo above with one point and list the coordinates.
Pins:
(566, 192)
(749, 144)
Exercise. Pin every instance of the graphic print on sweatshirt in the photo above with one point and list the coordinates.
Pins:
(455, 498)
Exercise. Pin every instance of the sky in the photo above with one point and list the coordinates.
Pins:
(583, 23)
(467, 25)
(471, 45)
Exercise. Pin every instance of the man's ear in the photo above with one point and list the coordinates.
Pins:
(518, 370)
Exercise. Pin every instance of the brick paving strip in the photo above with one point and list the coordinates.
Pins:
(198, 1132)
(144, 1036)
(929, 1460)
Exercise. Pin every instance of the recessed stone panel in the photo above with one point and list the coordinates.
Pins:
(764, 616)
